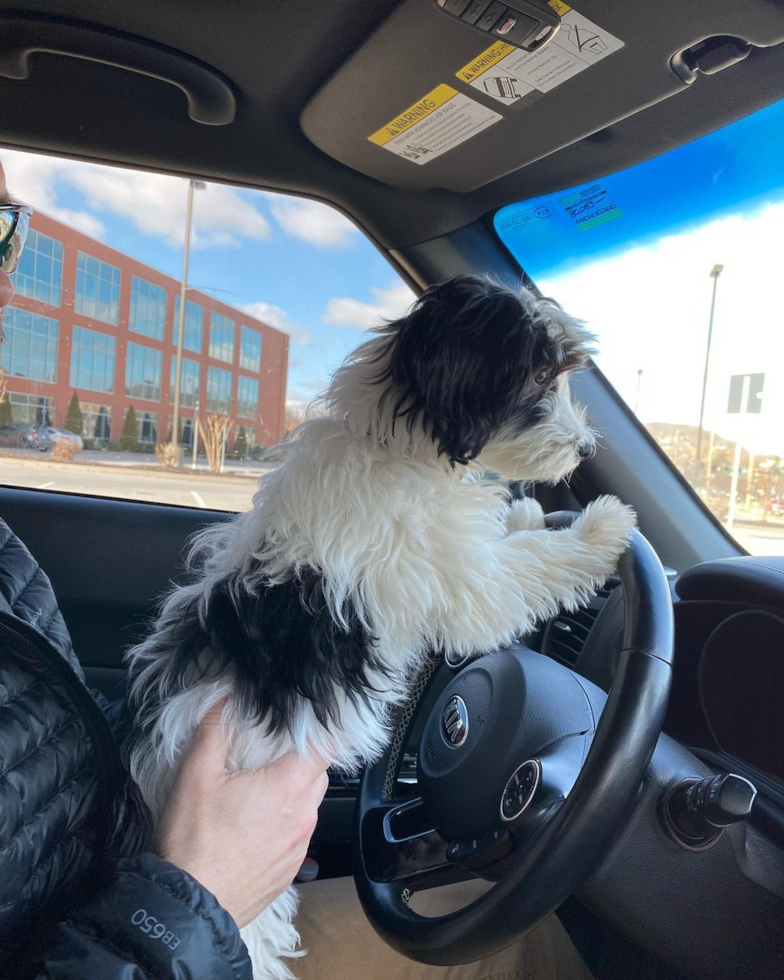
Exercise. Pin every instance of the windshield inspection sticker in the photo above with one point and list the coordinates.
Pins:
(507, 74)
(590, 207)
(440, 121)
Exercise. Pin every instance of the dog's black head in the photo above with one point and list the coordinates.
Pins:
(479, 367)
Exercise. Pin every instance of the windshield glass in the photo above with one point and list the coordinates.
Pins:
(277, 290)
(674, 265)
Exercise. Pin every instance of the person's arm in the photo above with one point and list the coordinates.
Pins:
(227, 845)
(152, 921)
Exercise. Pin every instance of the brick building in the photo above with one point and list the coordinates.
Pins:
(90, 319)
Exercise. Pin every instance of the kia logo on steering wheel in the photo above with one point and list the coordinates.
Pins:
(454, 721)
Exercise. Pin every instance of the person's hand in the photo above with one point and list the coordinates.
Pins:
(242, 835)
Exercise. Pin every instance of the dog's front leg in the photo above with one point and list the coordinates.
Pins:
(525, 515)
(562, 568)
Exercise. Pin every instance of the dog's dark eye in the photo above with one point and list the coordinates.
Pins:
(540, 377)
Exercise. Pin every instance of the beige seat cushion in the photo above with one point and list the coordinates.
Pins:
(342, 945)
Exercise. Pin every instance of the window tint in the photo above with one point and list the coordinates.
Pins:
(30, 348)
(40, 271)
(221, 337)
(261, 337)
(96, 422)
(189, 381)
(143, 372)
(148, 308)
(672, 264)
(92, 360)
(97, 289)
(218, 390)
(250, 349)
(194, 324)
(33, 409)
(247, 397)
(147, 429)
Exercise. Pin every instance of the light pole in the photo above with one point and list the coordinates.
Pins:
(192, 186)
(715, 272)
(195, 435)
(637, 397)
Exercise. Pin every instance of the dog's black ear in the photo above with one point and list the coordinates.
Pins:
(461, 361)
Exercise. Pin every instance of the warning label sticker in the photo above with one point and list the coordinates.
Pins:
(590, 207)
(440, 121)
(508, 74)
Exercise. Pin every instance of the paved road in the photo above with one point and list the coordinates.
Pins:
(199, 490)
(761, 539)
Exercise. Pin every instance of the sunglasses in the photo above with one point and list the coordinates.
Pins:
(14, 225)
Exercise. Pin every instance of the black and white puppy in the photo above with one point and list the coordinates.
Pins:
(373, 542)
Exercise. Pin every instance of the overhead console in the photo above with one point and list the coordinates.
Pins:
(438, 97)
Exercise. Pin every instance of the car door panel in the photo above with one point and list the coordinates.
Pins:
(110, 561)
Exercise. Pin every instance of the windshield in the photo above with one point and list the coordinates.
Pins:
(674, 264)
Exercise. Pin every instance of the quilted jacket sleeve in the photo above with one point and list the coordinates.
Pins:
(153, 921)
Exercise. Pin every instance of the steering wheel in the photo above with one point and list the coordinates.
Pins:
(526, 771)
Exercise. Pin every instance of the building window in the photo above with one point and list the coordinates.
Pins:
(40, 271)
(221, 338)
(97, 289)
(148, 308)
(186, 437)
(92, 360)
(32, 409)
(189, 382)
(147, 428)
(97, 422)
(30, 348)
(247, 397)
(218, 390)
(143, 372)
(250, 350)
(194, 324)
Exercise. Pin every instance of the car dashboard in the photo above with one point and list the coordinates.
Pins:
(728, 681)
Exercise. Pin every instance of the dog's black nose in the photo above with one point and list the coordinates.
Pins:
(585, 450)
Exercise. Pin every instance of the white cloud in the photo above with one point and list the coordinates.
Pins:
(276, 317)
(312, 222)
(32, 179)
(154, 203)
(649, 307)
(353, 314)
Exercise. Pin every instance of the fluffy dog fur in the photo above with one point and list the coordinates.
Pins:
(374, 541)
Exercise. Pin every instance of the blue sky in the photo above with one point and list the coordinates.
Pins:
(297, 264)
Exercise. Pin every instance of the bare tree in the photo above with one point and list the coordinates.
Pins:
(214, 432)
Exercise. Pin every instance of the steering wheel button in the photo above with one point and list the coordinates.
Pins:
(519, 790)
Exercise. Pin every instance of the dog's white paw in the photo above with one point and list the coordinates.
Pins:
(525, 515)
(606, 523)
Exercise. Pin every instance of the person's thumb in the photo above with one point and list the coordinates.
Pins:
(210, 745)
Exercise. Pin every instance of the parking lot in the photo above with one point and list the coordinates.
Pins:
(198, 488)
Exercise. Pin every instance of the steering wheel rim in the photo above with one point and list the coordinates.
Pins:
(572, 837)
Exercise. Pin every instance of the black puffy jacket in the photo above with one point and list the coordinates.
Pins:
(67, 909)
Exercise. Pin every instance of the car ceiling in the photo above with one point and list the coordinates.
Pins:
(314, 79)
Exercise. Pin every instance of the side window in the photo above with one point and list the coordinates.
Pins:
(670, 264)
(278, 291)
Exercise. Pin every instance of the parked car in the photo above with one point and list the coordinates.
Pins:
(775, 506)
(36, 437)
(16, 435)
(48, 436)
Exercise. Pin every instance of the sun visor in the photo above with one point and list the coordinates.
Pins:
(431, 102)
